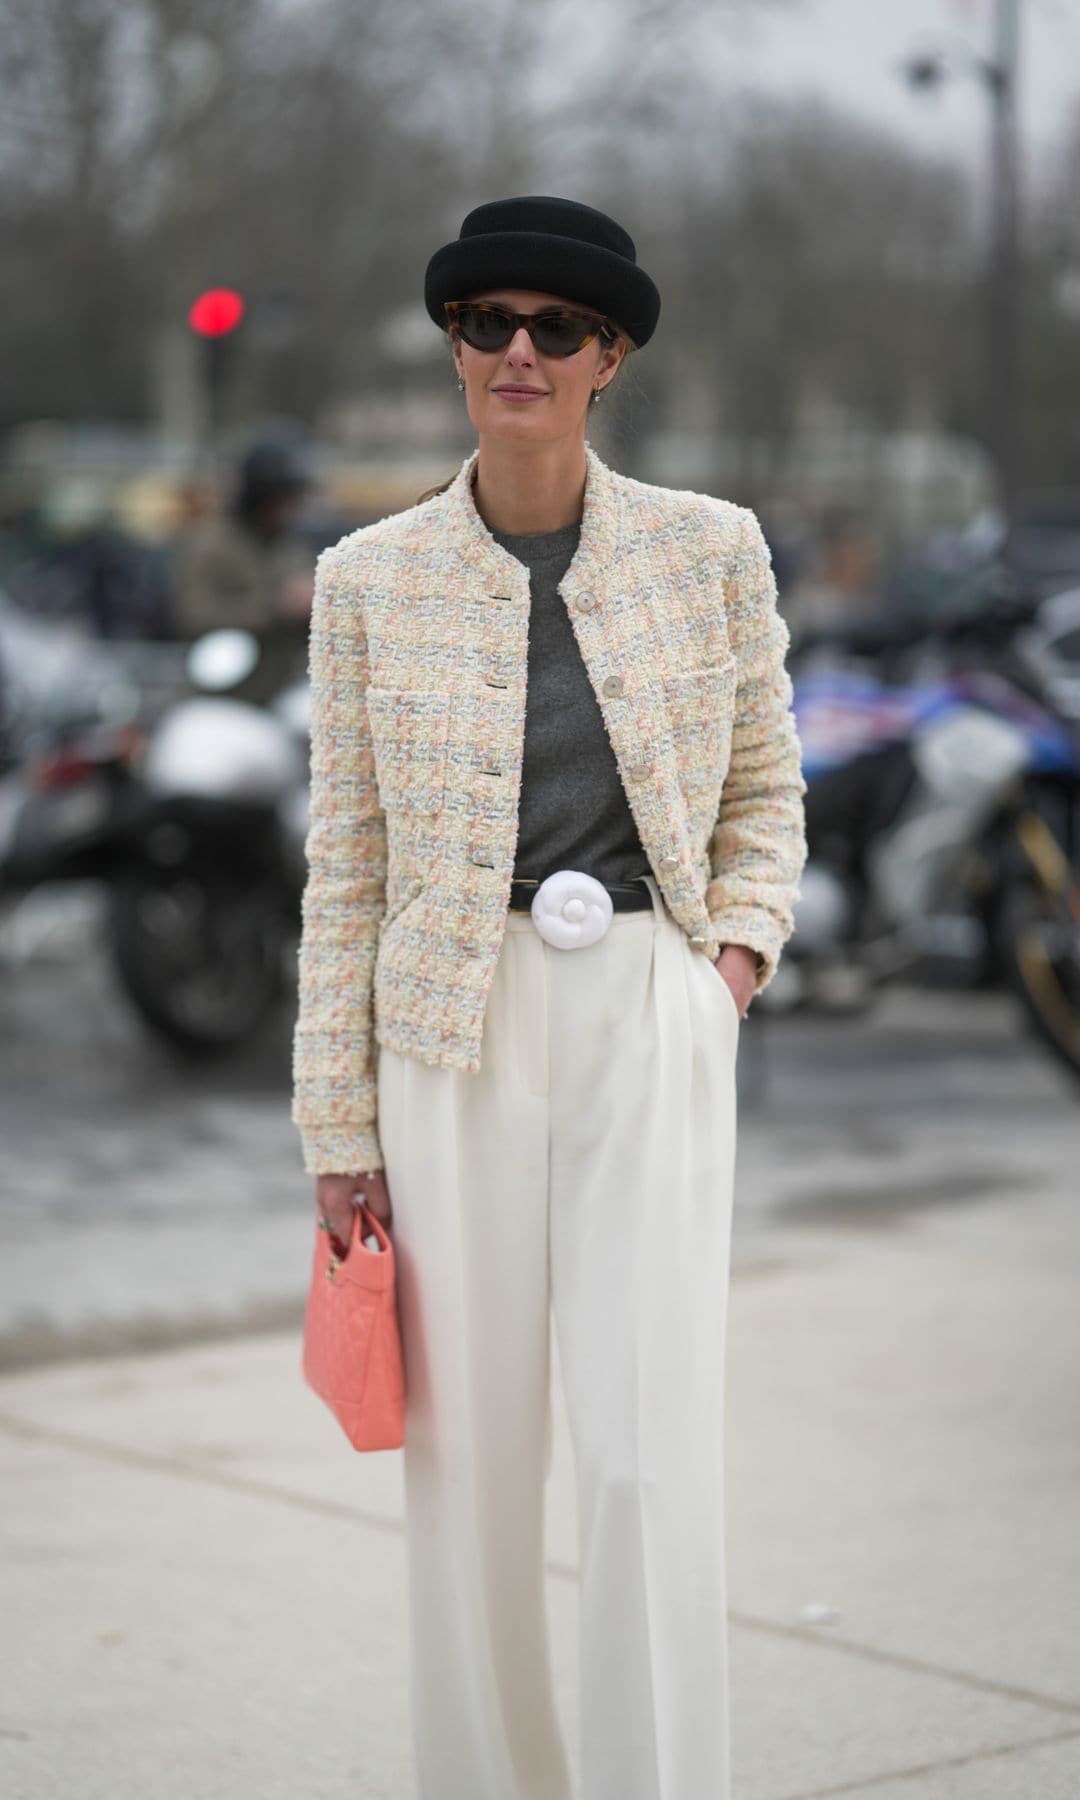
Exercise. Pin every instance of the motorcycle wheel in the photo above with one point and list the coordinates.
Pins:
(1042, 957)
(200, 956)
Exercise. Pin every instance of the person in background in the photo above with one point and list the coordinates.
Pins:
(247, 566)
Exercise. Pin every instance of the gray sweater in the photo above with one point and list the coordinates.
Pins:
(573, 812)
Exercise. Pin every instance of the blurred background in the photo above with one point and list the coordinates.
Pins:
(215, 361)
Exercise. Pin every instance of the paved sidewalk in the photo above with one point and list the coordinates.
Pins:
(203, 1587)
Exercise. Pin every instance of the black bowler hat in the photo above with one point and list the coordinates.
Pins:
(556, 246)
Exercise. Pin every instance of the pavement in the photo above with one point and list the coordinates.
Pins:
(204, 1586)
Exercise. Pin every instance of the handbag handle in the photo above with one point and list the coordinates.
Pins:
(364, 1222)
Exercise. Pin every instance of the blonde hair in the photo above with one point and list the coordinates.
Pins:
(430, 493)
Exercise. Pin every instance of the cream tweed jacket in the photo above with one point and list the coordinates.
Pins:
(417, 661)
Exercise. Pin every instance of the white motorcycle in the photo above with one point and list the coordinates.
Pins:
(206, 898)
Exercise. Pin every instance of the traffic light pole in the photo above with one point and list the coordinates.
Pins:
(214, 317)
(217, 358)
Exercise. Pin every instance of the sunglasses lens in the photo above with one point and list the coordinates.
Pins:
(560, 334)
(485, 328)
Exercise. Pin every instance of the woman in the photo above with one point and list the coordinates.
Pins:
(530, 934)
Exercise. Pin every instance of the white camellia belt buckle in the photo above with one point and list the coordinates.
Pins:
(571, 909)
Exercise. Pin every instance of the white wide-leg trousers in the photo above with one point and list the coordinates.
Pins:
(586, 1171)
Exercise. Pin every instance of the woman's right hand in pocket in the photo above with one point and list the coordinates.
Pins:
(336, 1198)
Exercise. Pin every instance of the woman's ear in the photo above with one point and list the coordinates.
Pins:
(610, 359)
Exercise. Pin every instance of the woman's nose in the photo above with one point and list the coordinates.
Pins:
(520, 346)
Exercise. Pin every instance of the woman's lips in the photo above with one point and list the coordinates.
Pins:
(519, 395)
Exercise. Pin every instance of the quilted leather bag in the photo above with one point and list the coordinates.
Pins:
(352, 1343)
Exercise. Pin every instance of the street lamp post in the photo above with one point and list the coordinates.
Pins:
(1003, 285)
(998, 74)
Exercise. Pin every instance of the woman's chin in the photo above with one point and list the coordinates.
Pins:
(516, 426)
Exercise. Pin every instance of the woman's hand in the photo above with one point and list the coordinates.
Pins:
(737, 963)
(336, 1199)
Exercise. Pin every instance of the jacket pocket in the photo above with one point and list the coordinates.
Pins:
(410, 736)
(701, 714)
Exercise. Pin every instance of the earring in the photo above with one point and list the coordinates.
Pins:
(596, 394)
(461, 385)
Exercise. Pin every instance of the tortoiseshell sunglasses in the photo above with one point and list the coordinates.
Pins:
(555, 330)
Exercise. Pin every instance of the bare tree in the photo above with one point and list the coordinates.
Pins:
(312, 157)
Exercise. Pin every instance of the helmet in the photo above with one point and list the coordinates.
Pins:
(269, 470)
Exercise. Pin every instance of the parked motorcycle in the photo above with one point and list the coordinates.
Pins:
(206, 898)
(943, 818)
(72, 729)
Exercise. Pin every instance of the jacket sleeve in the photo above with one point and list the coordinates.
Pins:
(758, 847)
(334, 1049)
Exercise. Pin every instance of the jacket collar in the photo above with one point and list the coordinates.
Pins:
(595, 553)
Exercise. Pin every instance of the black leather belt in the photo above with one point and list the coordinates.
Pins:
(626, 896)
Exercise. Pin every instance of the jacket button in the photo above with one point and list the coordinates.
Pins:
(637, 771)
(669, 862)
(585, 602)
(613, 684)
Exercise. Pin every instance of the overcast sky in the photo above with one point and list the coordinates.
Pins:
(850, 48)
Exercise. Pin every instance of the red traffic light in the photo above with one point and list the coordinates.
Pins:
(216, 313)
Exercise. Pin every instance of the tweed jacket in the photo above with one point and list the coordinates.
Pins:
(417, 660)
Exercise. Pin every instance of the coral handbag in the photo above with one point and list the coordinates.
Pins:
(352, 1343)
